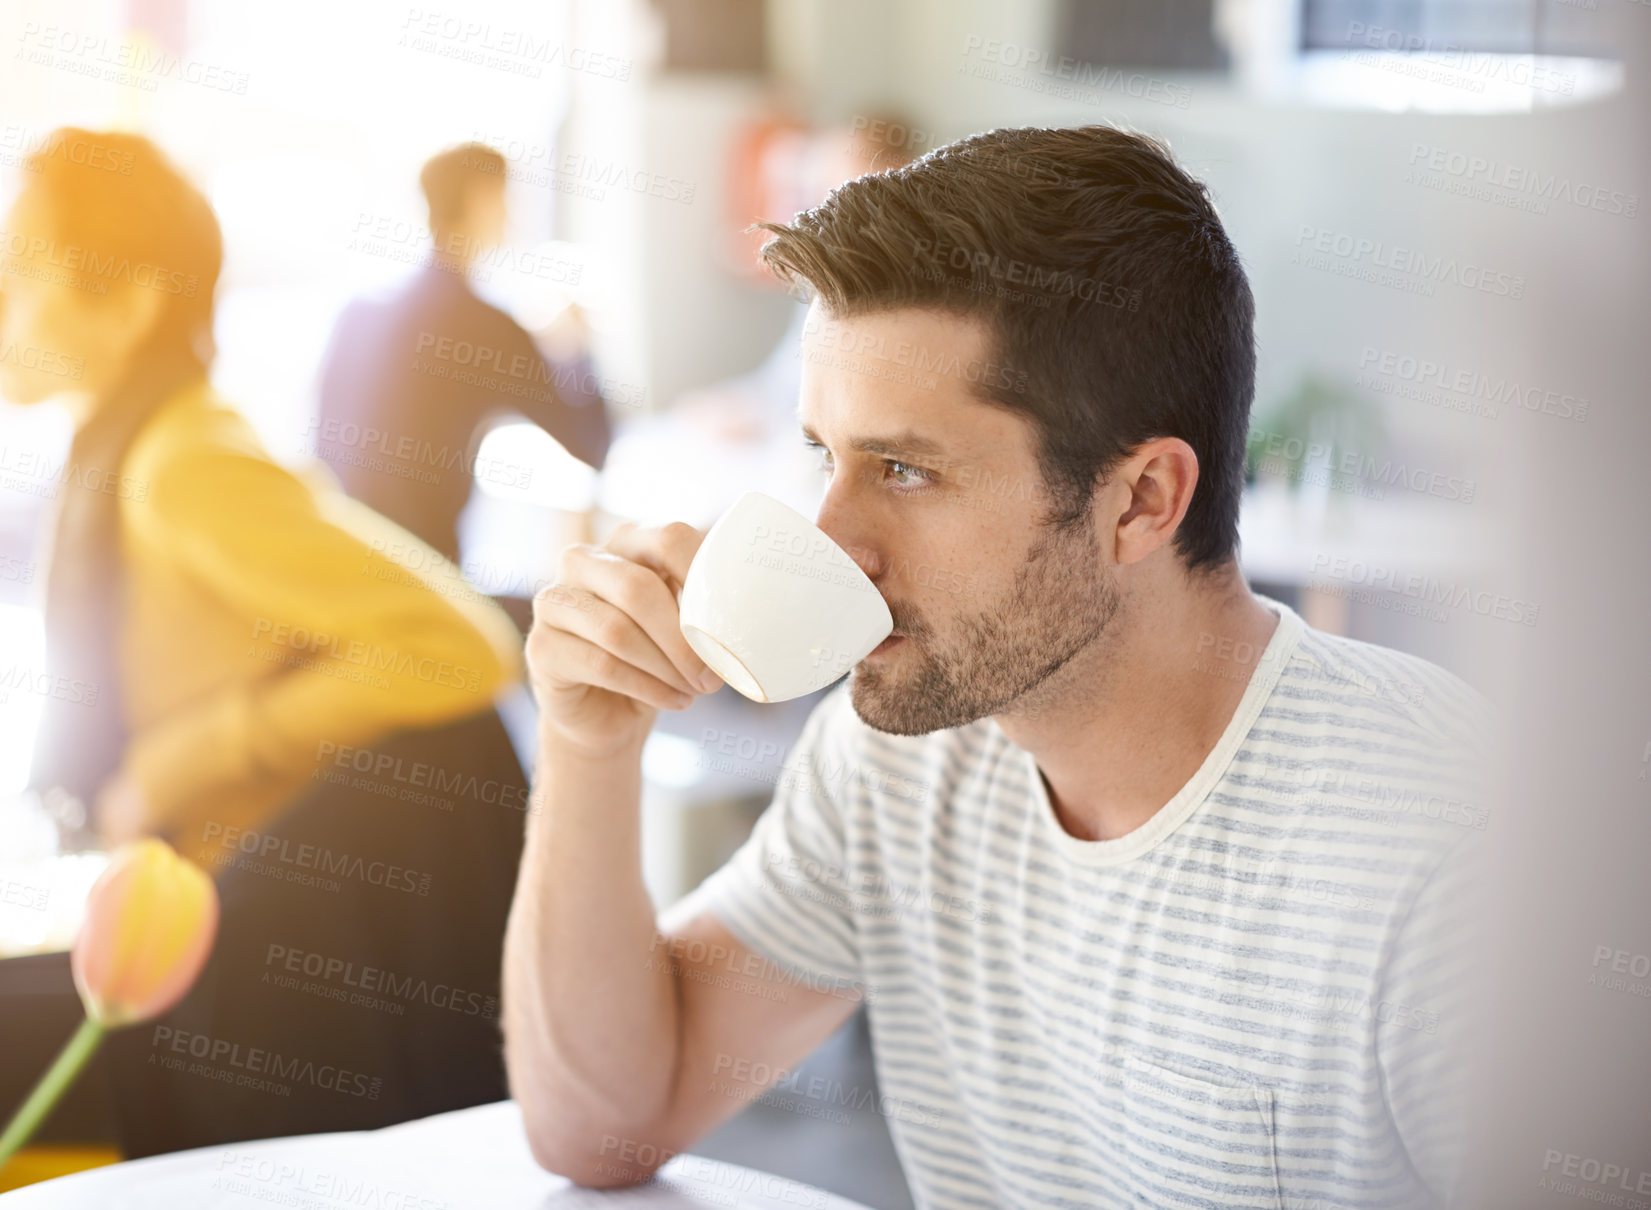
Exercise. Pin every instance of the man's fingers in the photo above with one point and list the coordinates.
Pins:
(667, 550)
(609, 627)
(638, 589)
(581, 662)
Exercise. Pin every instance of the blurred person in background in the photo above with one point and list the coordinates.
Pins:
(246, 635)
(427, 369)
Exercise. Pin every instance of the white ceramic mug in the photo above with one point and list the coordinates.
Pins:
(774, 606)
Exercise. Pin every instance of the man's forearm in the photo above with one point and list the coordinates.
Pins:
(590, 1008)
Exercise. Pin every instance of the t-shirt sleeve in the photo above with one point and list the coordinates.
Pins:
(1423, 1021)
(785, 892)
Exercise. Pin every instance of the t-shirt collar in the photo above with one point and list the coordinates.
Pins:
(1191, 796)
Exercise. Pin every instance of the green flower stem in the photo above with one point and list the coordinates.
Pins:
(52, 1085)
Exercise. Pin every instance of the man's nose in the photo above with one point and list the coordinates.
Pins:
(837, 520)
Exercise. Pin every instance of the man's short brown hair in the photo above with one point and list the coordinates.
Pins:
(1105, 277)
(448, 177)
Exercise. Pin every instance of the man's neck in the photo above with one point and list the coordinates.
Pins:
(456, 268)
(454, 252)
(1124, 726)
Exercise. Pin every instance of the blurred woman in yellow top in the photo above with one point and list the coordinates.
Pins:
(240, 636)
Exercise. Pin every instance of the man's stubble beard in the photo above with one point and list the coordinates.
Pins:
(1057, 607)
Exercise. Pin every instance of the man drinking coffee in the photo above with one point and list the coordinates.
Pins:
(1166, 909)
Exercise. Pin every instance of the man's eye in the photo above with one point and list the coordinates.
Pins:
(897, 469)
(901, 474)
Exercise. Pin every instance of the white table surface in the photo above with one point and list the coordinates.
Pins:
(454, 1161)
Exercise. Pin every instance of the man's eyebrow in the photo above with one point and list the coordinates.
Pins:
(895, 446)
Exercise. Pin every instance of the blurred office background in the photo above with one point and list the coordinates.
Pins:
(1438, 203)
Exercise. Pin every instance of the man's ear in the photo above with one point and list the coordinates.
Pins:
(1153, 487)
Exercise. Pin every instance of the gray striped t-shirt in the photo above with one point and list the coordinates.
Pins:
(1241, 1003)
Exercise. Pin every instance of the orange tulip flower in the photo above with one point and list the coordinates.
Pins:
(151, 918)
(150, 921)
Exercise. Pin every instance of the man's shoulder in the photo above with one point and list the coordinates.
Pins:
(374, 309)
(436, 296)
(1390, 746)
(1384, 689)
(419, 298)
